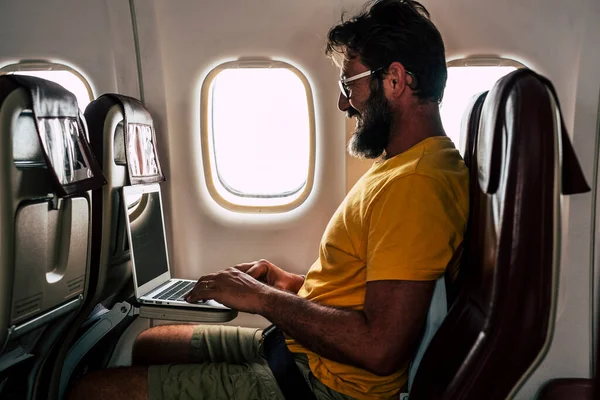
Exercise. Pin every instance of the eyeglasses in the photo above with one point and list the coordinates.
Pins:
(346, 89)
(344, 82)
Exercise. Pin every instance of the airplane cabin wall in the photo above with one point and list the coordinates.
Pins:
(93, 37)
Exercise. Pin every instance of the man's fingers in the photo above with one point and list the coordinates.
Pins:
(258, 271)
(195, 296)
(244, 267)
(200, 291)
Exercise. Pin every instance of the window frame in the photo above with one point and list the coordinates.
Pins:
(40, 65)
(211, 173)
(480, 61)
(484, 61)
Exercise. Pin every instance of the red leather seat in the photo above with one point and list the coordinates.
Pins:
(501, 318)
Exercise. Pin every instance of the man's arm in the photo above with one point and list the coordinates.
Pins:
(380, 338)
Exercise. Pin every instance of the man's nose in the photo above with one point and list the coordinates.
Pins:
(343, 102)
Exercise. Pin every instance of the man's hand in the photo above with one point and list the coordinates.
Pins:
(231, 287)
(272, 275)
(243, 287)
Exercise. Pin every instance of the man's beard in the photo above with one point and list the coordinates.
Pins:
(373, 127)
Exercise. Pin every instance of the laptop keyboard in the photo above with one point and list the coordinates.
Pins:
(175, 292)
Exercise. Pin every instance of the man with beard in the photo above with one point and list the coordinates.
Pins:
(352, 323)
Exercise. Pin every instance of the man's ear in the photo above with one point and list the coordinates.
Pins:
(398, 79)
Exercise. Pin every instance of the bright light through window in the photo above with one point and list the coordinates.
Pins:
(260, 132)
(66, 79)
(463, 83)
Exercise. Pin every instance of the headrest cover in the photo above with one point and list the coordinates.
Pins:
(61, 132)
(491, 140)
(143, 165)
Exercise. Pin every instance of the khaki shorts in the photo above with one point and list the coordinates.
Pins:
(235, 369)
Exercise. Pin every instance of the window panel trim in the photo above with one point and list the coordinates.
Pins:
(484, 61)
(208, 160)
(41, 65)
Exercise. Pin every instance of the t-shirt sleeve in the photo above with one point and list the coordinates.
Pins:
(412, 231)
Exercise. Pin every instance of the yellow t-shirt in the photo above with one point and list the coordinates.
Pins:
(403, 220)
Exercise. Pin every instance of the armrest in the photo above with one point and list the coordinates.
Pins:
(567, 388)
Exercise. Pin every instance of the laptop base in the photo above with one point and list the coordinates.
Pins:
(186, 314)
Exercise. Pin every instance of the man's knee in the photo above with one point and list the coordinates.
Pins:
(114, 384)
(163, 345)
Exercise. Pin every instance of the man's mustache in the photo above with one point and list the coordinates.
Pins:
(351, 112)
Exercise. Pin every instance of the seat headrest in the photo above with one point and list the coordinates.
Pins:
(469, 127)
(138, 136)
(61, 132)
(522, 98)
(49, 99)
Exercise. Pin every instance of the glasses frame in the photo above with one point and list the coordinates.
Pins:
(343, 83)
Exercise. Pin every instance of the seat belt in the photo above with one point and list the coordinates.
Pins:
(281, 362)
(435, 316)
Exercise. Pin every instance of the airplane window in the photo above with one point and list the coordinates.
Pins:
(63, 75)
(259, 132)
(463, 83)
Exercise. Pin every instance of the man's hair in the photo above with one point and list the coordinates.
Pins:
(394, 30)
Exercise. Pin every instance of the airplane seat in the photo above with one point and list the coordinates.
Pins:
(467, 146)
(47, 174)
(521, 161)
(448, 287)
(574, 388)
(469, 127)
(568, 388)
(127, 156)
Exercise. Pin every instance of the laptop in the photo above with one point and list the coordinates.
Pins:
(148, 244)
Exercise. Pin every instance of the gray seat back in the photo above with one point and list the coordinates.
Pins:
(45, 204)
(114, 121)
(47, 174)
(107, 116)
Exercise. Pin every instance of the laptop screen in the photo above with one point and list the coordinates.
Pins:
(148, 246)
